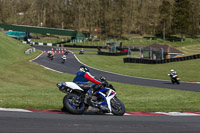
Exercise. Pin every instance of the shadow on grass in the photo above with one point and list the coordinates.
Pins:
(167, 38)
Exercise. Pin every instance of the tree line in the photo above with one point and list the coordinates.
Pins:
(111, 18)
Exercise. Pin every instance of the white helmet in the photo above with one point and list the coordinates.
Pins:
(172, 70)
(84, 69)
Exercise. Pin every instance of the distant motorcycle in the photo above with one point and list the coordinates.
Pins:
(81, 52)
(63, 58)
(79, 98)
(51, 57)
(174, 78)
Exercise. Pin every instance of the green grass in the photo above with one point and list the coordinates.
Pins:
(150, 99)
(27, 85)
(191, 49)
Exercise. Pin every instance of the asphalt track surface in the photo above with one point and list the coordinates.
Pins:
(72, 66)
(21, 122)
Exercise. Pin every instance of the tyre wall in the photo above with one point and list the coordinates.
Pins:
(148, 61)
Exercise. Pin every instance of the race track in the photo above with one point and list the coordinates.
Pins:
(24, 122)
(72, 66)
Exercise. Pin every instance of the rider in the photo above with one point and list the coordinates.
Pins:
(83, 75)
(172, 72)
(51, 53)
(64, 57)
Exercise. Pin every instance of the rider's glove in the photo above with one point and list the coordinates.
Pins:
(104, 84)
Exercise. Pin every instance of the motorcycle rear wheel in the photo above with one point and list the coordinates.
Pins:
(72, 104)
(117, 106)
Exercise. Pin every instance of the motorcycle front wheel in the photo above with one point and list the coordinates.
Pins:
(73, 104)
(117, 106)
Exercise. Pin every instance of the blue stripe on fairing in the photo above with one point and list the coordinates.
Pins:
(104, 103)
(105, 89)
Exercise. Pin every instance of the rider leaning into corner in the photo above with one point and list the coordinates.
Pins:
(51, 53)
(83, 75)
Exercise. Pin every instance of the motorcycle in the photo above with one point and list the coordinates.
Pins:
(51, 57)
(79, 98)
(64, 59)
(174, 78)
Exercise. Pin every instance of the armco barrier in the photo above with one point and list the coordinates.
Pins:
(29, 50)
(149, 61)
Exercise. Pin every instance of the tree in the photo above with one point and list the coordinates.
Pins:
(195, 16)
(165, 15)
(181, 17)
(112, 18)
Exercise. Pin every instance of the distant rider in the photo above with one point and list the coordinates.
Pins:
(172, 72)
(64, 57)
(51, 53)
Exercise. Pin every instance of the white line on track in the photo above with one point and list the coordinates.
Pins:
(51, 69)
(12, 109)
(178, 114)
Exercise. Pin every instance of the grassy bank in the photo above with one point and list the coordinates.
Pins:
(24, 84)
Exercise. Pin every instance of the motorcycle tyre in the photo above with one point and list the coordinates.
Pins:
(69, 108)
(121, 112)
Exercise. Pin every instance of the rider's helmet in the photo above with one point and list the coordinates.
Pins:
(102, 78)
(84, 69)
(172, 70)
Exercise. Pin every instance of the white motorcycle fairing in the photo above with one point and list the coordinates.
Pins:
(73, 86)
(110, 94)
